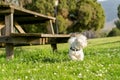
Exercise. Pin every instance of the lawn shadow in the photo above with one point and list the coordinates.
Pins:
(110, 43)
(2, 56)
(54, 60)
(106, 43)
(49, 60)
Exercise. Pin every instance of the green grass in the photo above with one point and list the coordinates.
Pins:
(102, 62)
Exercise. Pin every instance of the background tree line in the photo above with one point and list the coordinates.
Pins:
(72, 15)
(116, 31)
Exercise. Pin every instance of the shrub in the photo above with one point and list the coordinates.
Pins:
(114, 32)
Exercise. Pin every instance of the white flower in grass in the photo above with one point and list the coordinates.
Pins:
(3, 70)
(29, 71)
(101, 65)
(58, 67)
(73, 73)
(80, 75)
(22, 59)
(55, 73)
(34, 69)
(100, 74)
(26, 77)
(65, 68)
(40, 66)
(32, 79)
(17, 67)
(110, 65)
(87, 70)
(18, 79)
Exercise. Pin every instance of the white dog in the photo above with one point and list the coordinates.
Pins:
(77, 43)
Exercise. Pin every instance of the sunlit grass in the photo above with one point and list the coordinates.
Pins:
(102, 62)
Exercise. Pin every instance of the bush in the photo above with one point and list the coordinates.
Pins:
(101, 34)
(114, 32)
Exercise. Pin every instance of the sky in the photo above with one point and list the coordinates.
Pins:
(110, 7)
(101, 0)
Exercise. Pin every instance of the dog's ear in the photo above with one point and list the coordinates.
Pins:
(84, 44)
(82, 40)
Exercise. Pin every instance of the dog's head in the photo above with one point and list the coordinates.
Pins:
(78, 41)
(81, 41)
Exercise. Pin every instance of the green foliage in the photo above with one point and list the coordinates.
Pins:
(117, 23)
(90, 15)
(62, 5)
(71, 4)
(114, 32)
(102, 62)
(118, 11)
(101, 34)
(40, 28)
(87, 14)
(62, 24)
(45, 6)
(32, 6)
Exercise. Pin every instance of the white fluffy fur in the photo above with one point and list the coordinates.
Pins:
(77, 43)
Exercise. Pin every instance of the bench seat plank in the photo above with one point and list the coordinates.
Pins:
(40, 35)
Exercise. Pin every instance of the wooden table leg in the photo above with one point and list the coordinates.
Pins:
(8, 30)
(9, 51)
(54, 47)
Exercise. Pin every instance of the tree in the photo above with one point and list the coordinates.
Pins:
(20, 3)
(73, 15)
(117, 23)
(114, 32)
(45, 6)
(89, 15)
(32, 6)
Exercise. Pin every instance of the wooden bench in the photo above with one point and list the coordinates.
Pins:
(33, 38)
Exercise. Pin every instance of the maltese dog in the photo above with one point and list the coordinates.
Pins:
(77, 43)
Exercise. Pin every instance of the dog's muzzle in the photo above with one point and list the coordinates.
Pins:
(74, 49)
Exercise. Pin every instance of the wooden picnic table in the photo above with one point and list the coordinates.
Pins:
(12, 17)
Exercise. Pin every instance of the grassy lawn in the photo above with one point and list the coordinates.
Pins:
(102, 62)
